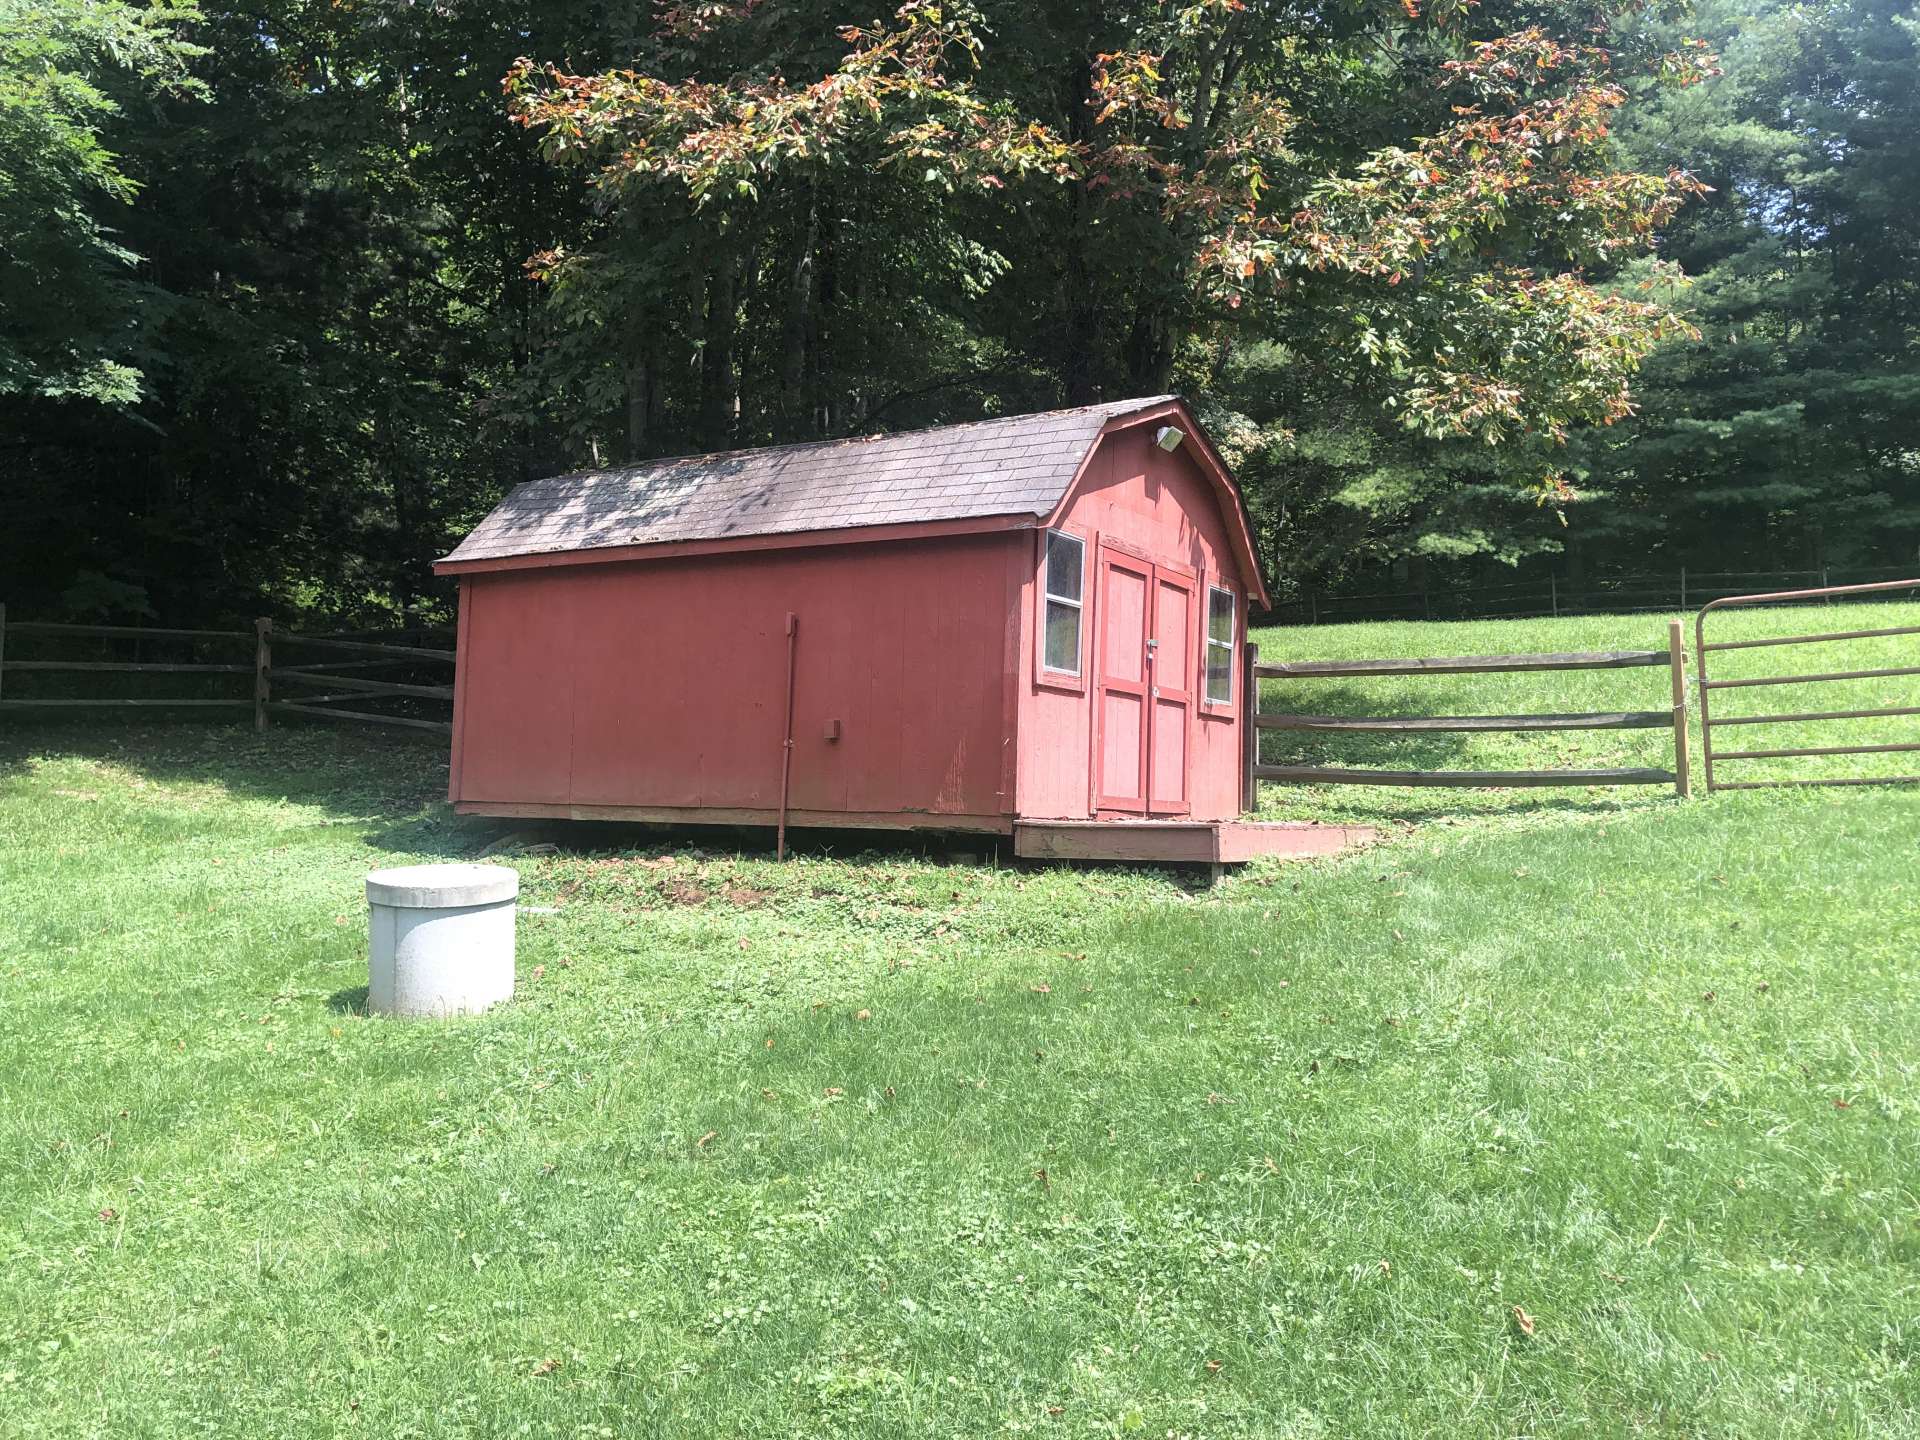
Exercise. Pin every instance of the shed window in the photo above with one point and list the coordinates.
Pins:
(1220, 606)
(1064, 582)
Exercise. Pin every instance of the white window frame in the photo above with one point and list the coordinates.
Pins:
(1048, 599)
(1208, 645)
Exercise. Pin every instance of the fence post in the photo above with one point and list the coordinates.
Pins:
(1677, 663)
(1553, 591)
(262, 669)
(1683, 587)
(1250, 739)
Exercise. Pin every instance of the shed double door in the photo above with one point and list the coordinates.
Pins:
(1143, 685)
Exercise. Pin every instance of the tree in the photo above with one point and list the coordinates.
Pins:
(1405, 204)
(69, 297)
(333, 312)
(1792, 435)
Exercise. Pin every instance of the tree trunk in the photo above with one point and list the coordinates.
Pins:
(639, 386)
(718, 389)
(1150, 351)
(799, 330)
(1079, 367)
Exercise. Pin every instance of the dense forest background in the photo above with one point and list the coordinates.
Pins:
(291, 292)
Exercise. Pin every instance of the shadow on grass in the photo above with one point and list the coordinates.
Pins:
(348, 1002)
(395, 786)
(391, 789)
(1388, 806)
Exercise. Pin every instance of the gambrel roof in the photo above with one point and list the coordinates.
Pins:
(982, 474)
(1022, 464)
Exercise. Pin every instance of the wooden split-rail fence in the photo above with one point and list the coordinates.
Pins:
(331, 677)
(1672, 717)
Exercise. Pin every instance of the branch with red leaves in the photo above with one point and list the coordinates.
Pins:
(1462, 253)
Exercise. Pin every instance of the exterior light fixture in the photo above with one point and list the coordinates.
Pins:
(1168, 438)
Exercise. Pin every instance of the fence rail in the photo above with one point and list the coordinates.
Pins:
(321, 673)
(1467, 664)
(1710, 723)
(1682, 589)
(1674, 718)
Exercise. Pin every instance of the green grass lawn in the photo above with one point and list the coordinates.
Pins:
(1580, 1115)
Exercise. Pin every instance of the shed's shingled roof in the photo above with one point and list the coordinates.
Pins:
(1021, 465)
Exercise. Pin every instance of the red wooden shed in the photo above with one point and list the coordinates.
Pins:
(1025, 626)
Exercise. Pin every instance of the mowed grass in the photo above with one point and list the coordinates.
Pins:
(1587, 1115)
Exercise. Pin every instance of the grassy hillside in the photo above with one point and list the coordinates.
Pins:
(1554, 1117)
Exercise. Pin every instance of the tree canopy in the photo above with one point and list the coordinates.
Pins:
(289, 294)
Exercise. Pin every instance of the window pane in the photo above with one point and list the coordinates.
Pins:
(1220, 673)
(1220, 615)
(1064, 554)
(1063, 637)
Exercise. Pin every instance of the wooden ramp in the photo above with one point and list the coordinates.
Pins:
(1203, 842)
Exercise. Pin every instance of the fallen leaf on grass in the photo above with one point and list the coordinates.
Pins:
(538, 971)
(1213, 1367)
(109, 1215)
(1524, 1321)
(863, 1014)
(701, 1143)
(547, 1366)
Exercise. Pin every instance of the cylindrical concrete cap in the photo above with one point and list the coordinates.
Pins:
(440, 938)
(442, 887)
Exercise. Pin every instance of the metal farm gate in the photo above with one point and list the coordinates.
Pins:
(1708, 723)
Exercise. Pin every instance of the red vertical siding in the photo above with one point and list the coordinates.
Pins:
(662, 684)
(516, 682)
(1138, 498)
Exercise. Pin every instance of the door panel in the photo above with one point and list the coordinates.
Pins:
(1171, 646)
(1121, 715)
(1143, 686)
